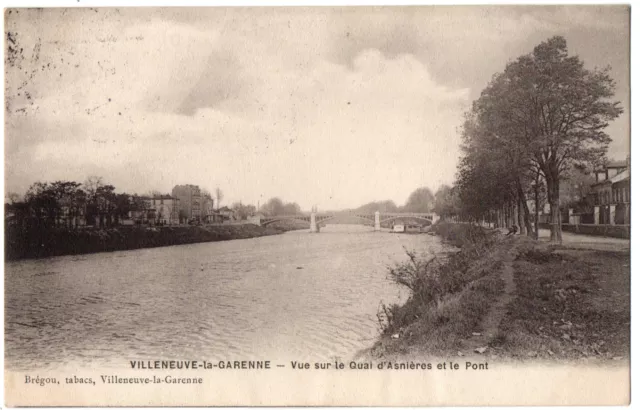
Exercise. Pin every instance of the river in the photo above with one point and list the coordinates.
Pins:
(296, 295)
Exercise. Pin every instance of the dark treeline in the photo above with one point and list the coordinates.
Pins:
(37, 243)
(67, 218)
(70, 204)
(537, 122)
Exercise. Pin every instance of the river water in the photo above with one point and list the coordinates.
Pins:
(296, 295)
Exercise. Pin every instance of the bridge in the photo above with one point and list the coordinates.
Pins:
(375, 219)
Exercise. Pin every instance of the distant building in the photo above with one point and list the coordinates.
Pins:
(611, 194)
(208, 213)
(164, 209)
(227, 213)
(190, 202)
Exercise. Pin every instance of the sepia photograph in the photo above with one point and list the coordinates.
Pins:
(351, 206)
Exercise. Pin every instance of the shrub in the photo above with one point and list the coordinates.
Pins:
(433, 281)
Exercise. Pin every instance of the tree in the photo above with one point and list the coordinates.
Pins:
(273, 207)
(139, 206)
(380, 206)
(56, 201)
(483, 184)
(562, 109)
(105, 200)
(219, 197)
(291, 208)
(70, 199)
(446, 202)
(576, 185)
(41, 199)
(420, 200)
(91, 185)
(243, 211)
(546, 112)
(123, 205)
(12, 198)
(496, 161)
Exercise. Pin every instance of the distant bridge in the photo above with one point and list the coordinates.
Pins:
(374, 218)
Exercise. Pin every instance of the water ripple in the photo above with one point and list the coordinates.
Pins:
(297, 295)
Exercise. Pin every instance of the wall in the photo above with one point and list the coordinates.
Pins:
(613, 231)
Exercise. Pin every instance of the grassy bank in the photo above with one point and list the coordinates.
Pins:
(38, 243)
(569, 304)
(511, 298)
(449, 297)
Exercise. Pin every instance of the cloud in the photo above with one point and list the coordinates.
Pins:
(335, 107)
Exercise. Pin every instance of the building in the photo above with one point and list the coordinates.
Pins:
(611, 194)
(190, 202)
(227, 213)
(208, 213)
(164, 209)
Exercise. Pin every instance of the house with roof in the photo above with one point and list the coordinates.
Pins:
(164, 209)
(227, 213)
(611, 194)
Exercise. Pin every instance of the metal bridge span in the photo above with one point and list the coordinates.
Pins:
(375, 218)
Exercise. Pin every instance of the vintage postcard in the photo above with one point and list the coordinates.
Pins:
(324, 206)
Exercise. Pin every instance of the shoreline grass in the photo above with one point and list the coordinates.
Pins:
(449, 297)
(564, 304)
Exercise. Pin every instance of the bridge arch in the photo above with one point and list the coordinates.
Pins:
(321, 219)
(269, 221)
(428, 219)
(376, 218)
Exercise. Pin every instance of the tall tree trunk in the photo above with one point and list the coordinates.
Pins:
(537, 205)
(521, 226)
(553, 186)
(507, 215)
(526, 218)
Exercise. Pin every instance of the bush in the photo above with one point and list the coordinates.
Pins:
(432, 280)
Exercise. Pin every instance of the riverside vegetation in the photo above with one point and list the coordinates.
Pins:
(44, 242)
(509, 298)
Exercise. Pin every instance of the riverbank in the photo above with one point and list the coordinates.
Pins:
(26, 244)
(511, 298)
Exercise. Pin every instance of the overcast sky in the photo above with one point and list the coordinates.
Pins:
(333, 106)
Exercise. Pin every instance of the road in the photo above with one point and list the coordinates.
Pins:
(601, 243)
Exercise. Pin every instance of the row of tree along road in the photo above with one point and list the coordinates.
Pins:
(534, 123)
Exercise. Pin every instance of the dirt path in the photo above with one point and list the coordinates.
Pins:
(489, 326)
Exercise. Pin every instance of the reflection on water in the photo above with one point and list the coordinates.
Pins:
(297, 295)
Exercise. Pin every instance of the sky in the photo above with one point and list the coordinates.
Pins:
(333, 107)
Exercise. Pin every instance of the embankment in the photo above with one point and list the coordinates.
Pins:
(38, 243)
(510, 298)
(449, 296)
